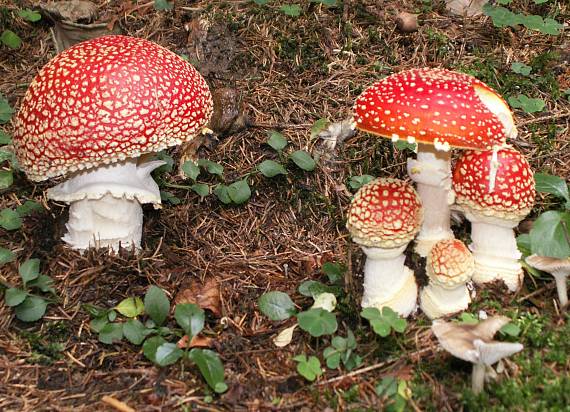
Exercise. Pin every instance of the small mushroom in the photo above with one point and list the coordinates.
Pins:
(559, 268)
(90, 113)
(407, 22)
(449, 266)
(475, 344)
(384, 216)
(440, 110)
(495, 190)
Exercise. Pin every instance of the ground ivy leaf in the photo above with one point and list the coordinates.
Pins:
(134, 331)
(169, 197)
(31, 309)
(521, 68)
(29, 270)
(111, 333)
(190, 317)
(10, 220)
(221, 192)
(276, 305)
(293, 10)
(309, 368)
(239, 192)
(43, 283)
(6, 179)
(526, 103)
(212, 167)
(276, 140)
(313, 288)
(130, 307)
(191, 169)
(317, 322)
(156, 305)
(356, 182)
(6, 256)
(6, 110)
(318, 127)
(510, 329)
(550, 235)
(29, 207)
(30, 15)
(303, 160)
(210, 367)
(332, 357)
(554, 185)
(167, 354)
(10, 39)
(270, 168)
(4, 137)
(201, 189)
(334, 271)
(14, 296)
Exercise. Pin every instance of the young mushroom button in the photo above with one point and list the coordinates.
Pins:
(450, 266)
(440, 110)
(383, 218)
(90, 113)
(494, 202)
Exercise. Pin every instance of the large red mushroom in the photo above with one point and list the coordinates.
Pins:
(494, 202)
(90, 113)
(439, 110)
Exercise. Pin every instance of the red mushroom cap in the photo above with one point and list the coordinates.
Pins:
(433, 106)
(513, 194)
(385, 213)
(450, 263)
(104, 100)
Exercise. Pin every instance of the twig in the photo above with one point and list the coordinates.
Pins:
(117, 404)
(543, 118)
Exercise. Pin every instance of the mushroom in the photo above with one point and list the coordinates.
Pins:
(384, 216)
(90, 113)
(557, 267)
(439, 110)
(449, 266)
(475, 344)
(495, 196)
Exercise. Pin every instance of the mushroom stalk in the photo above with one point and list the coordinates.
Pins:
(106, 204)
(437, 301)
(495, 250)
(560, 278)
(432, 173)
(387, 281)
(478, 378)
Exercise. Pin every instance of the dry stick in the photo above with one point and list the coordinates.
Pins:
(117, 404)
(543, 118)
(373, 367)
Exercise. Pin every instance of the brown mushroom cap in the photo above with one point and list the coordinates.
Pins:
(450, 263)
(385, 213)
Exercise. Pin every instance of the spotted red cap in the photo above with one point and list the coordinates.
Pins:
(435, 106)
(513, 193)
(104, 100)
(450, 263)
(385, 213)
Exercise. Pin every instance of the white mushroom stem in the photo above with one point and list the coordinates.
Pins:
(560, 278)
(495, 251)
(432, 173)
(106, 204)
(437, 301)
(387, 281)
(478, 377)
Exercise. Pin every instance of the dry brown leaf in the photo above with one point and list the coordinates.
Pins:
(467, 8)
(207, 296)
(197, 341)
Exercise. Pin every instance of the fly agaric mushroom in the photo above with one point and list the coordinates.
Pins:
(494, 203)
(449, 266)
(90, 113)
(557, 267)
(384, 216)
(439, 110)
(475, 344)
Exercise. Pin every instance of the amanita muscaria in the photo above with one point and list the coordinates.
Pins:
(495, 198)
(439, 110)
(90, 113)
(384, 216)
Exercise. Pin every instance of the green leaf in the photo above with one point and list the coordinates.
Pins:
(211, 167)
(468, 318)
(131, 307)
(261, 2)
(293, 10)
(14, 296)
(210, 367)
(6, 111)
(318, 127)
(190, 318)
(111, 333)
(310, 368)
(550, 235)
(201, 189)
(161, 352)
(276, 140)
(111, 315)
(317, 322)
(169, 197)
(98, 323)
(10, 39)
(4, 137)
(405, 145)
(526, 103)
(303, 160)
(94, 310)
(540, 1)
(554, 185)
(156, 305)
(161, 5)
(334, 271)
(28, 208)
(30, 15)
(313, 288)
(328, 3)
(521, 68)
(167, 159)
(222, 193)
(523, 244)
(387, 387)
(510, 329)
(239, 192)
(6, 179)
(356, 182)
(332, 357)
(340, 343)
(276, 305)
(384, 321)
(10, 220)
(43, 283)
(29, 270)
(31, 309)
(191, 169)
(270, 168)
(6, 256)
(135, 331)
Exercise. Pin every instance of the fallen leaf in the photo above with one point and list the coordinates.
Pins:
(469, 8)
(197, 341)
(326, 301)
(207, 296)
(285, 336)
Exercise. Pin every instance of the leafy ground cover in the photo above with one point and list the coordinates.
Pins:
(264, 212)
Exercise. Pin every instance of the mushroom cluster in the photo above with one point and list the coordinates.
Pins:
(90, 113)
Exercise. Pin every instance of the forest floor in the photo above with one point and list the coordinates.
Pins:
(286, 72)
